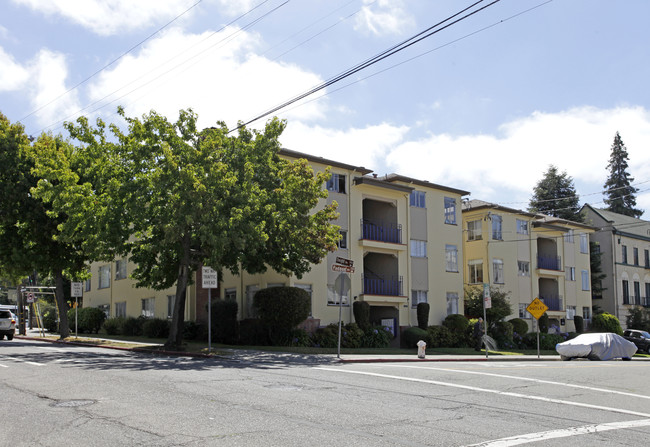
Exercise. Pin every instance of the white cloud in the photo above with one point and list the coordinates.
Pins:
(383, 17)
(505, 168)
(107, 17)
(236, 7)
(13, 76)
(217, 75)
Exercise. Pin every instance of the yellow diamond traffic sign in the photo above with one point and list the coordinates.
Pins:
(537, 308)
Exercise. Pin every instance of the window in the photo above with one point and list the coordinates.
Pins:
(626, 291)
(418, 248)
(475, 271)
(585, 280)
(120, 269)
(147, 307)
(307, 288)
(87, 284)
(343, 242)
(452, 303)
(647, 294)
(450, 210)
(497, 267)
(586, 313)
(251, 311)
(230, 294)
(522, 226)
(570, 312)
(336, 183)
(417, 297)
(637, 293)
(104, 276)
(523, 312)
(584, 243)
(568, 237)
(570, 273)
(646, 255)
(451, 256)
(496, 227)
(523, 268)
(624, 254)
(474, 230)
(106, 308)
(417, 199)
(120, 309)
(171, 301)
(635, 254)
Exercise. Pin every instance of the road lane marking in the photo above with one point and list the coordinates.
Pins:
(490, 391)
(21, 360)
(526, 379)
(561, 433)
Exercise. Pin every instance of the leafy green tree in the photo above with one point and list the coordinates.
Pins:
(596, 270)
(620, 195)
(174, 198)
(555, 195)
(500, 309)
(29, 230)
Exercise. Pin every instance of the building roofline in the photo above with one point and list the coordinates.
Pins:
(382, 184)
(325, 161)
(402, 178)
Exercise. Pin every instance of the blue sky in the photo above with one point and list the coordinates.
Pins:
(485, 105)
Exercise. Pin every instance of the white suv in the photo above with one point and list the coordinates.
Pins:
(7, 324)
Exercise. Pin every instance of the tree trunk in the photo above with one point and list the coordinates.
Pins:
(62, 304)
(175, 339)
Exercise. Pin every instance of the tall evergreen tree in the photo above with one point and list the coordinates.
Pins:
(555, 195)
(620, 194)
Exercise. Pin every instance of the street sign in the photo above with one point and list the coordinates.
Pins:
(209, 278)
(487, 298)
(344, 261)
(76, 289)
(342, 268)
(29, 298)
(537, 308)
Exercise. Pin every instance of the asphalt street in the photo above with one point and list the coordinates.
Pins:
(64, 395)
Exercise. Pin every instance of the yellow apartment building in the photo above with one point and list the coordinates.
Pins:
(530, 256)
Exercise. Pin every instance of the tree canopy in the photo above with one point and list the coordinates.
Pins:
(500, 299)
(620, 195)
(173, 198)
(555, 195)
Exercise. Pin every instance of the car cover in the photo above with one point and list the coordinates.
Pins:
(600, 346)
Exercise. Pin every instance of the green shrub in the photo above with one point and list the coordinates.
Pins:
(502, 332)
(579, 324)
(49, 320)
(225, 327)
(519, 326)
(458, 327)
(89, 319)
(113, 326)
(191, 330)
(423, 315)
(543, 323)
(413, 335)
(156, 328)
(300, 338)
(253, 333)
(440, 337)
(546, 341)
(376, 337)
(351, 336)
(361, 310)
(133, 326)
(281, 309)
(327, 337)
(606, 322)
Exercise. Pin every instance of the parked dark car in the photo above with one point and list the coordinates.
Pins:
(640, 338)
(7, 325)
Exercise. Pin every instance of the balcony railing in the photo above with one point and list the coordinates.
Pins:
(377, 285)
(549, 262)
(554, 302)
(380, 231)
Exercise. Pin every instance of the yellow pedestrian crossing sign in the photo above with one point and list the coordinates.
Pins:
(537, 308)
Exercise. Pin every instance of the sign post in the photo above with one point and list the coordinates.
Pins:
(537, 308)
(344, 266)
(76, 291)
(209, 280)
(487, 304)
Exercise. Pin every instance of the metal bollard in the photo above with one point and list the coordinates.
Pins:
(422, 346)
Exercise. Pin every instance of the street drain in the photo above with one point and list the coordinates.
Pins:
(73, 403)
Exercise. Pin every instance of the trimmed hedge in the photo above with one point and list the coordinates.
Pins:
(579, 324)
(225, 328)
(413, 335)
(156, 328)
(606, 322)
(89, 319)
(519, 326)
(361, 311)
(281, 309)
(423, 315)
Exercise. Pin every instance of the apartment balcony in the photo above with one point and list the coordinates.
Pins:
(382, 232)
(549, 263)
(379, 285)
(554, 302)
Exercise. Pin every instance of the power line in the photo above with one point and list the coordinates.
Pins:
(111, 62)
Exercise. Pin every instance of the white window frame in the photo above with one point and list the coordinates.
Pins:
(523, 312)
(451, 258)
(418, 296)
(230, 294)
(343, 242)
(104, 276)
(417, 199)
(450, 210)
(585, 280)
(523, 268)
(584, 243)
(570, 273)
(120, 309)
(452, 303)
(475, 230)
(418, 248)
(568, 237)
(586, 313)
(120, 269)
(148, 307)
(497, 269)
(474, 265)
(497, 227)
(336, 183)
(171, 300)
(522, 226)
(570, 312)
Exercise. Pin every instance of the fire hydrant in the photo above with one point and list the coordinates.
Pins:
(422, 346)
